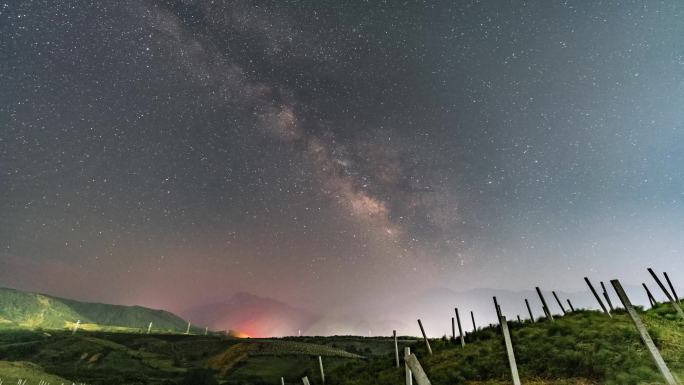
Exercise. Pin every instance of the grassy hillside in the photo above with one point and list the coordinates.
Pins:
(581, 348)
(31, 310)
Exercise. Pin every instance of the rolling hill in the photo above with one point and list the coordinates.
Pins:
(20, 309)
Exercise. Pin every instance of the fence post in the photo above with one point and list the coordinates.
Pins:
(509, 351)
(305, 380)
(409, 375)
(669, 283)
(572, 308)
(593, 291)
(460, 330)
(417, 370)
(606, 296)
(472, 317)
(320, 364)
(645, 337)
(396, 347)
(674, 304)
(559, 302)
(651, 298)
(427, 343)
(544, 305)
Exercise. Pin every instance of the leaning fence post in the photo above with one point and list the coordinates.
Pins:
(409, 375)
(497, 307)
(427, 343)
(417, 370)
(674, 304)
(669, 283)
(472, 317)
(529, 310)
(509, 351)
(396, 347)
(645, 337)
(460, 330)
(544, 305)
(593, 291)
(606, 296)
(320, 365)
(572, 308)
(559, 302)
(305, 380)
(282, 381)
(651, 298)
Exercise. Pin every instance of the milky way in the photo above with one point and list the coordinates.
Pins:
(171, 153)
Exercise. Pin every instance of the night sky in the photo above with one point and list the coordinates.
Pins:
(337, 154)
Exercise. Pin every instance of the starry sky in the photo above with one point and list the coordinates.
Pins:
(337, 154)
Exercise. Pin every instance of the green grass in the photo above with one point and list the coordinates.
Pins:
(11, 372)
(582, 348)
(23, 310)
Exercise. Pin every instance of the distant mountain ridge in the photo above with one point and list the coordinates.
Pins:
(21, 309)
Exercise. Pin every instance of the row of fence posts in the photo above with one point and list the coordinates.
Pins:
(414, 370)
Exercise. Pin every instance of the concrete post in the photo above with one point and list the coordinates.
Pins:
(509, 351)
(651, 298)
(544, 305)
(149, 328)
(669, 283)
(409, 375)
(529, 310)
(460, 330)
(472, 317)
(396, 347)
(206, 330)
(320, 365)
(645, 337)
(305, 380)
(282, 381)
(78, 323)
(674, 304)
(188, 329)
(427, 343)
(598, 299)
(572, 308)
(417, 370)
(560, 304)
(606, 296)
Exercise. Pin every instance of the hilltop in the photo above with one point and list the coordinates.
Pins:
(19, 309)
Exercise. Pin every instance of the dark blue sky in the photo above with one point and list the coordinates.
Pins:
(173, 152)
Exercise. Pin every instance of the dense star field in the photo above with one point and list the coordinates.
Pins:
(337, 155)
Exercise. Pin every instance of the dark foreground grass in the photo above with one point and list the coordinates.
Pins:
(585, 347)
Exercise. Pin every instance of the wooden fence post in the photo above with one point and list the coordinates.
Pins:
(560, 304)
(598, 299)
(409, 375)
(645, 337)
(396, 347)
(651, 298)
(453, 329)
(529, 310)
(427, 343)
(509, 351)
(497, 308)
(460, 330)
(606, 296)
(417, 370)
(674, 304)
(669, 283)
(547, 311)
